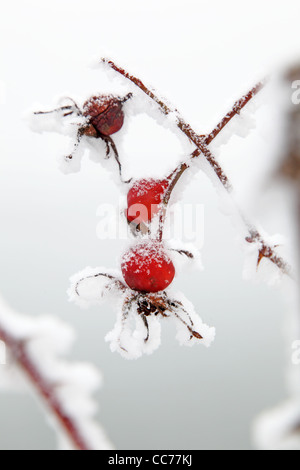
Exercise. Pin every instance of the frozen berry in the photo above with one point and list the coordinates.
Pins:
(144, 198)
(105, 113)
(103, 116)
(147, 267)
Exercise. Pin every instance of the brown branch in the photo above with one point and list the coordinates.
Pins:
(268, 252)
(236, 109)
(201, 143)
(173, 178)
(45, 389)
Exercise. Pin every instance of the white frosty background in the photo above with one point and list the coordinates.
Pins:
(201, 55)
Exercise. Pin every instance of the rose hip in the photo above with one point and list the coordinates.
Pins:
(144, 198)
(102, 116)
(147, 267)
(105, 113)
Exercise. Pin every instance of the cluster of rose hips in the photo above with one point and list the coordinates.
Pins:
(147, 268)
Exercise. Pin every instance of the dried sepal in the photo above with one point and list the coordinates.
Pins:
(90, 286)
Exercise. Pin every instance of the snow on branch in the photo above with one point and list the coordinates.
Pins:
(65, 389)
(252, 235)
(147, 267)
(236, 109)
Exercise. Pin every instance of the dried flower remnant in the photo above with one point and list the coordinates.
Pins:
(141, 308)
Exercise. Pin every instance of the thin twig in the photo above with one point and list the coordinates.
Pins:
(236, 109)
(201, 143)
(116, 281)
(44, 388)
(173, 178)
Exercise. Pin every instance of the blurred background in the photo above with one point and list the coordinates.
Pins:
(202, 56)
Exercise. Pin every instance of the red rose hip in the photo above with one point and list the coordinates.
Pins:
(147, 267)
(104, 113)
(144, 198)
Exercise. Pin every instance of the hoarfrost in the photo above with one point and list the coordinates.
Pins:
(128, 338)
(44, 340)
(240, 125)
(192, 259)
(88, 287)
(265, 271)
(136, 333)
(183, 334)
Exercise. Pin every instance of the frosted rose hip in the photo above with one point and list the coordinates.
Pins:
(105, 113)
(147, 267)
(147, 194)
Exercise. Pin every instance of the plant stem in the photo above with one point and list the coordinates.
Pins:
(201, 143)
(236, 109)
(45, 389)
(173, 178)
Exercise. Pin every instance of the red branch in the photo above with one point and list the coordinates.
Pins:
(201, 142)
(45, 389)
